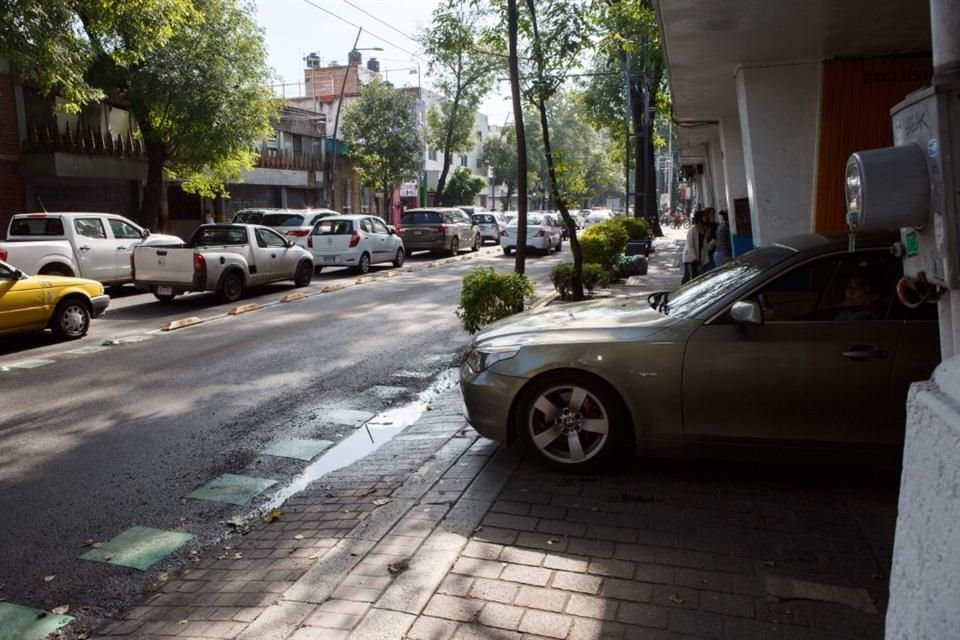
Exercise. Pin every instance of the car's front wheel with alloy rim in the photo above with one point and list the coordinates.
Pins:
(399, 258)
(454, 246)
(476, 243)
(304, 274)
(71, 319)
(570, 420)
(231, 287)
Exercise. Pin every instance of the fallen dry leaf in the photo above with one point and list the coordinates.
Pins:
(381, 501)
(675, 599)
(163, 577)
(238, 556)
(398, 567)
(553, 541)
(299, 536)
(273, 516)
(88, 543)
(61, 610)
(315, 556)
(109, 556)
(183, 622)
(49, 578)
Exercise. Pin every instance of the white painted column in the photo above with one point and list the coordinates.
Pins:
(734, 171)
(779, 114)
(715, 164)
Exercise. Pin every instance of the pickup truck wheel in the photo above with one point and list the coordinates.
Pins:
(56, 270)
(304, 274)
(71, 319)
(165, 297)
(399, 258)
(231, 288)
(364, 265)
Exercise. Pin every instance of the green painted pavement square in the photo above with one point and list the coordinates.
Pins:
(138, 547)
(299, 449)
(85, 350)
(133, 339)
(24, 623)
(231, 489)
(30, 364)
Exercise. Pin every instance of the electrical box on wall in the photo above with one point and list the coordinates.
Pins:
(910, 186)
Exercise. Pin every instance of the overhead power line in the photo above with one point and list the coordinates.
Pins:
(386, 24)
(356, 26)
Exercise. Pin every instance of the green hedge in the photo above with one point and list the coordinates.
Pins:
(602, 244)
(488, 296)
(591, 275)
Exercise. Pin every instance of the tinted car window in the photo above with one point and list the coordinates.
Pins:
(206, 236)
(379, 227)
(483, 218)
(534, 220)
(123, 230)
(282, 220)
(248, 217)
(422, 217)
(37, 227)
(319, 216)
(267, 238)
(90, 228)
(333, 227)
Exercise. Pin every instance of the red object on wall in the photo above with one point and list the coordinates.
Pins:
(11, 176)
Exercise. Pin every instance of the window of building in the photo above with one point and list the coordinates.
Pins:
(432, 154)
(347, 198)
(464, 161)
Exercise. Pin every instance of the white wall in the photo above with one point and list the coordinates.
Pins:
(779, 110)
(925, 579)
(734, 171)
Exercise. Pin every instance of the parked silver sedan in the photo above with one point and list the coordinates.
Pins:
(799, 342)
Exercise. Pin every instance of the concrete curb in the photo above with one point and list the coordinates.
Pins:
(545, 300)
(293, 297)
(179, 324)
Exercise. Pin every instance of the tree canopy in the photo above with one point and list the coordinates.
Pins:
(462, 188)
(380, 130)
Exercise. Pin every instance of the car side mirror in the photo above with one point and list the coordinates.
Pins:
(746, 312)
(290, 244)
(391, 230)
(145, 234)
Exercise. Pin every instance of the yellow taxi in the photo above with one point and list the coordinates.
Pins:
(34, 303)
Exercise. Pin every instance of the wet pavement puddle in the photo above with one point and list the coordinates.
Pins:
(371, 435)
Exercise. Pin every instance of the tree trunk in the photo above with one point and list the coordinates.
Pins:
(577, 282)
(448, 142)
(520, 262)
(153, 209)
(652, 207)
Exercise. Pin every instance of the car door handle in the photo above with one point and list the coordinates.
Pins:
(273, 255)
(864, 352)
(121, 248)
(83, 248)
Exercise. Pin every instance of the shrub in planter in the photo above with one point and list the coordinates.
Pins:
(633, 266)
(636, 228)
(602, 244)
(592, 275)
(561, 275)
(488, 296)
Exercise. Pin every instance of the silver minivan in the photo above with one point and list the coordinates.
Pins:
(438, 229)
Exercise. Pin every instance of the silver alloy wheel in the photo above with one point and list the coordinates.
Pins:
(364, 266)
(568, 424)
(74, 320)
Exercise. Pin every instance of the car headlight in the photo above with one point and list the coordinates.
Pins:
(482, 358)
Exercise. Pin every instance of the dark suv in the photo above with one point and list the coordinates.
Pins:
(438, 229)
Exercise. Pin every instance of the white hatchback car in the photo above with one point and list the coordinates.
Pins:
(597, 216)
(356, 241)
(543, 234)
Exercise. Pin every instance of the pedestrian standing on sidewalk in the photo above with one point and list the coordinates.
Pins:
(724, 251)
(695, 255)
(710, 239)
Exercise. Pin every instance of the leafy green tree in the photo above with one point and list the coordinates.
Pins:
(461, 73)
(201, 102)
(380, 131)
(53, 43)
(462, 188)
(500, 153)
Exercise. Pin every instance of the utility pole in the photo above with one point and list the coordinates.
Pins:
(627, 114)
(336, 123)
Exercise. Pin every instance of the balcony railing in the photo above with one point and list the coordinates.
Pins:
(81, 139)
(269, 158)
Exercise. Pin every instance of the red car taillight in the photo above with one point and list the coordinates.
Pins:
(539, 234)
(298, 233)
(3, 254)
(310, 242)
(354, 239)
(504, 233)
(199, 263)
(441, 229)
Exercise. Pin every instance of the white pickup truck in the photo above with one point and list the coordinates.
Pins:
(226, 258)
(96, 246)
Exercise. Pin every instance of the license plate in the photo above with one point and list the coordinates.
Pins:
(329, 258)
(419, 232)
(164, 291)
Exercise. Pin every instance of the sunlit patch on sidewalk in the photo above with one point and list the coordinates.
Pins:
(24, 623)
(30, 364)
(232, 489)
(138, 547)
(299, 449)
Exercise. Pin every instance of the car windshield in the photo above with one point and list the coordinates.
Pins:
(717, 283)
(282, 220)
(422, 217)
(320, 216)
(483, 218)
(333, 227)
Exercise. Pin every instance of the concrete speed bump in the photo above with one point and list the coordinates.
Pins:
(333, 287)
(365, 280)
(30, 364)
(391, 274)
(138, 547)
(244, 308)
(293, 297)
(180, 324)
(24, 623)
